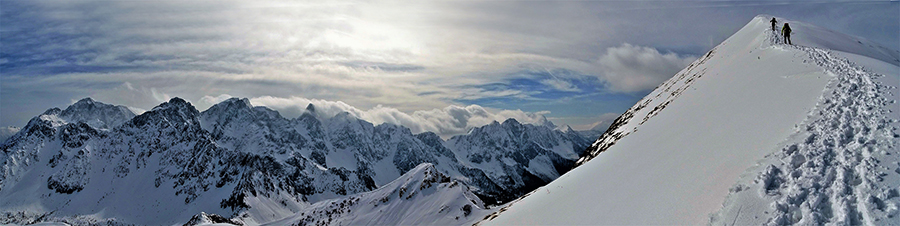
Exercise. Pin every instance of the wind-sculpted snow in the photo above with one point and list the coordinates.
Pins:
(174, 163)
(833, 169)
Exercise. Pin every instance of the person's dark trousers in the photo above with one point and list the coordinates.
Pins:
(787, 40)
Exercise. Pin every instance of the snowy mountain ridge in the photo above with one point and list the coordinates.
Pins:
(422, 196)
(781, 134)
(234, 160)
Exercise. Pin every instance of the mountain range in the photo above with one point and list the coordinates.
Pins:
(95, 162)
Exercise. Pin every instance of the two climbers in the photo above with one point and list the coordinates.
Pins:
(786, 31)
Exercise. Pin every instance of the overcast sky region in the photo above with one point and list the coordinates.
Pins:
(442, 66)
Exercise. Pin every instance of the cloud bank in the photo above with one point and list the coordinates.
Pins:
(631, 68)
(446, 122)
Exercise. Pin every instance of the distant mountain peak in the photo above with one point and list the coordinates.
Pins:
(512, 122)
(86, 100)
(235, 100)
(52, 111)
(175, 102)
(311, 108)
(233, 103)
(96, 114)
(176, 111)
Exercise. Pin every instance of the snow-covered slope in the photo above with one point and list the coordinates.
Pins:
(813, 134)
(422, 196)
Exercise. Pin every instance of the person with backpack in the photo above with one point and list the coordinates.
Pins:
(773, 24)
(786, 31)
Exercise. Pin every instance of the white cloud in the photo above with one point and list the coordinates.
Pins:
(560, 85)
(159, 96)
(446, 122)
(630, 68)
(212, 100)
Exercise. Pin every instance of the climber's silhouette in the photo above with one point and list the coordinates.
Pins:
(786, 31)
(773, 23)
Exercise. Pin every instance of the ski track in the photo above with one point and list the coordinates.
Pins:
(829, 171)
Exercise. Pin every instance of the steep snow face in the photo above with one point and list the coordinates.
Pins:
(672, 158)
(422, 196)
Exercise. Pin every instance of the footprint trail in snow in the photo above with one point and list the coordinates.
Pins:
(839, 168)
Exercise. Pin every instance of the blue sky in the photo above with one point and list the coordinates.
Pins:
(431, 65)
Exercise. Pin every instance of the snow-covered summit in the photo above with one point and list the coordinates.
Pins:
(807, 135)
(96, 114)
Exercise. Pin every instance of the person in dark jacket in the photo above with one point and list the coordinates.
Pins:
(773, 23)
(786, 31)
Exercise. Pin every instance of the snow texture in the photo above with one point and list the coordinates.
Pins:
(820, 129)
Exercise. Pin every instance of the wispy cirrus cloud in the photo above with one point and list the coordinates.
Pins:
(408, 55)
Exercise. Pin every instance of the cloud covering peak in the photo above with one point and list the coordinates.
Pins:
(446, 122)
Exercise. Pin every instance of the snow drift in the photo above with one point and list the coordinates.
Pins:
(813, 134)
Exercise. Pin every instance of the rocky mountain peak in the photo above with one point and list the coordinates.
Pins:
(569, 129)
(229, 107)
(52, 111)
(85, 101)
(511, 122)
(176, 112)
(237, 103)
(175, 102)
